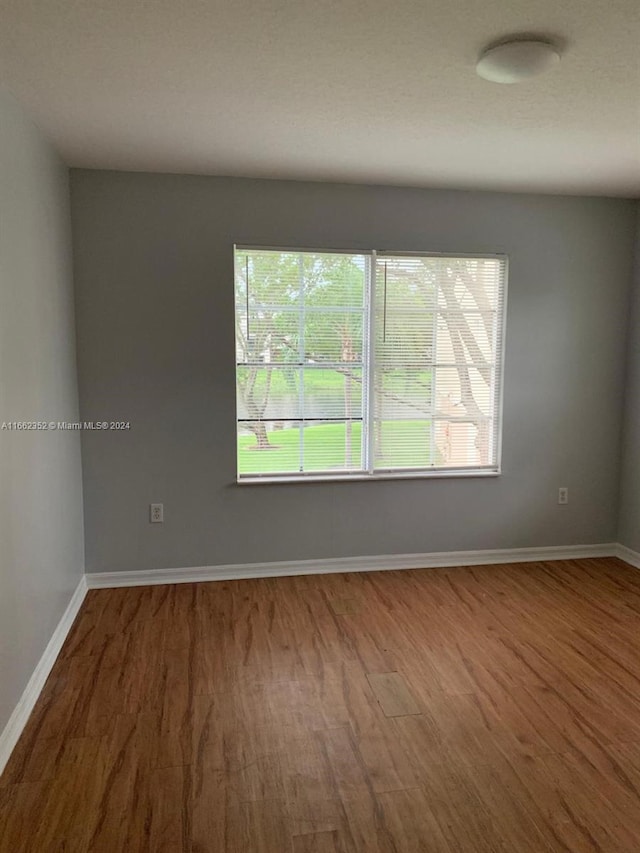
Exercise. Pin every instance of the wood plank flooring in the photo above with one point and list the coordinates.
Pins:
(493, 709)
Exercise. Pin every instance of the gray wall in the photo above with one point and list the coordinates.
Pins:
(629, 523)
(154, 302)
(41, 535)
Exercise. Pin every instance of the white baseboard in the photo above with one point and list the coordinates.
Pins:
(629, 556)
(193, 574)
(18, 719)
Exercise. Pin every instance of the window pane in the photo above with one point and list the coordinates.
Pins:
(458, 443)
(464, 391)
(268, 393)
(331, 280)
(267, 293)
(468, 284)
(404, 341)
(331, 394)
(332, 336)
(333, 447)
(402, 444)
(271, 337)
(405, 335)
(467, 337)
(402, 393)
(268, 448)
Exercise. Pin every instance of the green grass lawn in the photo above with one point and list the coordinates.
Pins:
(324, 448)
(285, 380)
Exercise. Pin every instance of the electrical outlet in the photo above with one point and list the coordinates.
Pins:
(156, 513)
(563, 495)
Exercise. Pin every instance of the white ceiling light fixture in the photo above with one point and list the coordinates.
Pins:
(516, 60)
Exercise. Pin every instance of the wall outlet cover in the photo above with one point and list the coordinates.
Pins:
(156, 513)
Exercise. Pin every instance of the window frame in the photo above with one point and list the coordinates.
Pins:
(368, 366)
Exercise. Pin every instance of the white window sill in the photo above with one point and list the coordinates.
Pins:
(438, 474)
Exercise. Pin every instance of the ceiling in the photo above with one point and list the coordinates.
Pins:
(347, 90)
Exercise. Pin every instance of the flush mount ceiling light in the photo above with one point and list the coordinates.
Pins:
(513, 61)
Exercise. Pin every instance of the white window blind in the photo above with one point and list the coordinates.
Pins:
(437, 362)
(363, 364)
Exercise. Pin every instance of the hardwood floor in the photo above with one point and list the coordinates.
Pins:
(493, 709)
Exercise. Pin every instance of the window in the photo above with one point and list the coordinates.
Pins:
(367, 364)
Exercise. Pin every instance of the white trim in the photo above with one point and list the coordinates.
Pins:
(18, 719)
(368, 387)
(628, 555)
(401, 253)
(360, 476)
(442, 559)
(501, 339)
(294, 250)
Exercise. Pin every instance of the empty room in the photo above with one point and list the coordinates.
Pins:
(319, 426)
